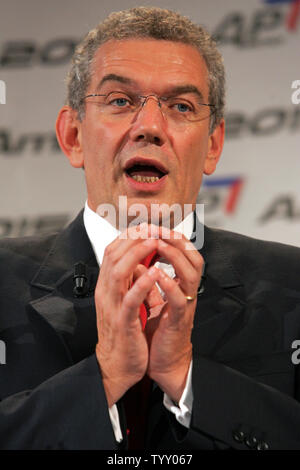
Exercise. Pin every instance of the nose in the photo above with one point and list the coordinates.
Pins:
(149, 124)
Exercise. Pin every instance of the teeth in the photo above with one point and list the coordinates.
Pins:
(145, 179)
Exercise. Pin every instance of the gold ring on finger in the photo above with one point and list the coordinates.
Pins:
(190, 298)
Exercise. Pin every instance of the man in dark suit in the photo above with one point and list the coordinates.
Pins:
(211, 367)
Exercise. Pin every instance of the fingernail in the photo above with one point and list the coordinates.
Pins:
(163, 275)
(162, 243)
(152, 271)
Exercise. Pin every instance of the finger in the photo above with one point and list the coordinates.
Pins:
(119, 247)
(131, 258)
(154, 297)
(132, 235)
(179, 241)
(121, 270)
(175, 298)
(139, 270)
(136, 295)
(188, 276)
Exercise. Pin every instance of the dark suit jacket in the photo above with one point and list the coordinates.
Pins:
(245, 386)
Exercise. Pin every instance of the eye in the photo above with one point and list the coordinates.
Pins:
(182, 107)
(120, 102)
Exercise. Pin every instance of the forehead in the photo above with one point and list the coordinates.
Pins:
(152, 64)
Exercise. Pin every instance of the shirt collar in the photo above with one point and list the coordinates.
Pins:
(101, 233)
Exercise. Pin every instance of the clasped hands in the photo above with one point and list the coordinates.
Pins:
(163, 351)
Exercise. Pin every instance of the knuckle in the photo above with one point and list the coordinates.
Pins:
(128, 302)
(116, 275)
(182, 304)
(109, 254)
(108, 250)
(199, 263)
(194, 279)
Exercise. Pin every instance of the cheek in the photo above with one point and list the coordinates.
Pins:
(100, 142)
(192, 148)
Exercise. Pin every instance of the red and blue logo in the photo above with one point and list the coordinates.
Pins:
(232, 187)
(293, 14)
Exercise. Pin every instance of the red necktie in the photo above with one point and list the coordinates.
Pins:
(148, 261)
(136, 399)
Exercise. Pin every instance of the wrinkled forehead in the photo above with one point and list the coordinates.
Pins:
(151, 65)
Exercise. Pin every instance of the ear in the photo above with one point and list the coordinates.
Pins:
(68, 133)
(215, 147)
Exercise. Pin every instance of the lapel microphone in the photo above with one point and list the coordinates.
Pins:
(80, 280)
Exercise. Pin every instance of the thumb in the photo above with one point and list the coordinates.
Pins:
(153, 298)
(139, 270)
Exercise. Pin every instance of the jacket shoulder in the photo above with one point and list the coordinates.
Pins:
(273, 261)
(20, 252)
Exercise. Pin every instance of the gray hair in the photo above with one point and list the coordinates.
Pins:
(154, 23)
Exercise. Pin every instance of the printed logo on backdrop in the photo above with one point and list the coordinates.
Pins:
(220, 197)
(266, 26)
(28, 53)
(263, 122)
(283, 207)
(14, 144)
(267, 121)
(293, 13)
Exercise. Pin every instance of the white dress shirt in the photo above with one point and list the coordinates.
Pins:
(101, 233)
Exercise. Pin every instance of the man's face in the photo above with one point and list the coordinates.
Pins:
(107, 143)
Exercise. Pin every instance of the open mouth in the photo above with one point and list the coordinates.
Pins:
(145, 171)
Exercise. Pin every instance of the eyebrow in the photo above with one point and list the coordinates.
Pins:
(181, 89)
(112, 77)
(173, 91)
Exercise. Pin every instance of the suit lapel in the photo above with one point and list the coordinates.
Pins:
(219, 307)
(74, 319)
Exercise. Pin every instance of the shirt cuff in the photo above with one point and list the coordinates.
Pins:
(115, 422)
(182, 412)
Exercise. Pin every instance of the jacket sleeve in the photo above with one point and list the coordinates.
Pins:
(67, 411)
(232, 410)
